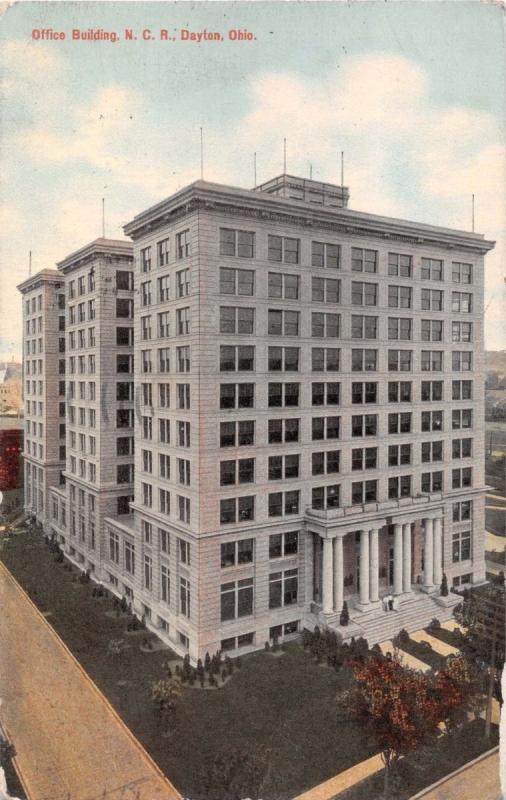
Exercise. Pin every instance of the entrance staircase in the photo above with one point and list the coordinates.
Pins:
(415, 612)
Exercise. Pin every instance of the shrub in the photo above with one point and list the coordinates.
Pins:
(207, 663)
(444, 586)
(223, 674)
(229, 664)
(402, 639)
(344, 618)
(275, 643)
(267, 647)
(201, 678)
(238, 663)
(307, 637)
(435, 623)
(124, 605)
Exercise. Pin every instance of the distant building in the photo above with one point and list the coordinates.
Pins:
(10, 388)
(307, 383)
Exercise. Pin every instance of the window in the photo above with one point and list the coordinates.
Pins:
(130, 557)
(240, 471)
(182, 321)
(431, 360)
(431, 270)
(325, 325)
(461, 546)
(237, 395)
(462, 448)
(285, 286)
(462, 511)
(364, 458)
(325, 462)
(364, 260)
(147, 393)
(325, 497)
(164, 359)
(183, 434)
(183, 244)
(432, 421)
(164, 395)
(183, 471)
(164, 466)
(399, 328)
(148, 572)
(145, 328)
(124, 418)
(399, 423)
(462, 331)
(462, 418)
(237, 509)
(183, 283)
(432, 300)
(237, 358)
(283, 588)
(147, 461)
(325, 394)
(184, 552)
(184, 597)
(364, 360)
(236, 599)
(124, 446)
(163, 429)
(183, 359)
(399, 265)
(363, 492)
(165, 584)
(283, 323)
(364, 294)
(124, 364)
(124, 280)
(462, 390)
(283, 248)
(364, 327)
(124, 336)
(325, 428)
(462, 273)
(164, 540)
(462, 477)
(283, 394)
(146, 363)
(399, 297)
(400, 360)
(283, 467)
(324, 254)
(399, 455)
(124, 473)
(183, 504)
(432, 330)
(163, 288)
(364, 393)
(325, 290)
(325, 359)
(432, 451)
(237, 281)
(431, 391)
(462, 361)
(284, 503)
(163, 324)
(432, 481)
(283, 359)
(283, 430)
(162, 248)
(146, 293)
(237, 320)
(364, 425)
(237, 553)
(183, 395)
(237, 434)
(237, 243)
(399, 486)
(113, 547)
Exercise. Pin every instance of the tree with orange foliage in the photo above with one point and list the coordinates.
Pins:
(401, 709)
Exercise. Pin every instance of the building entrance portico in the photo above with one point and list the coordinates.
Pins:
(387, 557)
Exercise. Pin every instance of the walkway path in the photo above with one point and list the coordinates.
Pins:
(70, 743)
(329, 789)
(437, 645)
(479, 779)
(406, 658)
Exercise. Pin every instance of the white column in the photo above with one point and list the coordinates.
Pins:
(397, 558)
(327, 577)
(338, 574)
(364, 567)
(428, 576)
(406, 557)
(438, 550)
(374, 571)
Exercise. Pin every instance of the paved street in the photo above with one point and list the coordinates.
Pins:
(477, 781)
(70, 743)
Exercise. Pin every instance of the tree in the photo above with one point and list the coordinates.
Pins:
(166, 693)
(398, 707)
(483, 619)
(444, 586)
(345, 614)
(460, 689)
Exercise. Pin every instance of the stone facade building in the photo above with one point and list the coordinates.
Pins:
(309, 417)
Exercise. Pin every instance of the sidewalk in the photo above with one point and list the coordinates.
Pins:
(70, 743)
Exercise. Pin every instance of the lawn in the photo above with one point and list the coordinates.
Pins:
(453, 638)
(416, 773)
(285, 703)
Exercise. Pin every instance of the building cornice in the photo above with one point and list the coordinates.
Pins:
(100, 248)
(45, 276)
(262, 206)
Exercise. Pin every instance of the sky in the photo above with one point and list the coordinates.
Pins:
(413, 92)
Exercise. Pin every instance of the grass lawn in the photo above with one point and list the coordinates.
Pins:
(286, 703)
(450, 753)
(424, 652)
